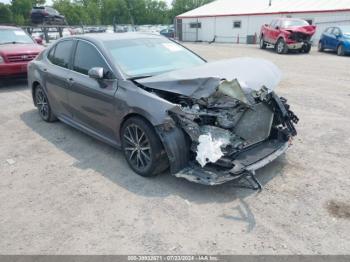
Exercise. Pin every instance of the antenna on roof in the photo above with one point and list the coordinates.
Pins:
(270, 2)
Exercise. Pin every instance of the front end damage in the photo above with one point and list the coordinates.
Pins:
(225, 134)
(300, 37)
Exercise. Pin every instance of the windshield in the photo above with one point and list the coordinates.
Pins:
(291, 23)
(14, 36)
(345, 30)
(150, 56)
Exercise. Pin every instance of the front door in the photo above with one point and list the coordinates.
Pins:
(92, 100)
(275, 31)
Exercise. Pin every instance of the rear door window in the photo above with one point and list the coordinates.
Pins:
(329, 30)
(62, 54)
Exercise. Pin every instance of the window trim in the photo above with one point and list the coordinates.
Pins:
(237, 27)
(198, 25)
(103, 57)
(52, 49)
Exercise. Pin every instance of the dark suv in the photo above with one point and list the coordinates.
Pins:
(46, 15)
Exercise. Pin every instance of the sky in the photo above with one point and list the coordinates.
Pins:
(48, 1)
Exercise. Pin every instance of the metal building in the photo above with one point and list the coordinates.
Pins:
(239, 21)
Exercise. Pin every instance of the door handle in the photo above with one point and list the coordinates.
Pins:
(71, 80)
(45, 69)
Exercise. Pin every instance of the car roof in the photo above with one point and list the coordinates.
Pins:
(105, 37)
(290, 19)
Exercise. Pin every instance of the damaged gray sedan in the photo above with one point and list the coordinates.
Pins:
(165, 106)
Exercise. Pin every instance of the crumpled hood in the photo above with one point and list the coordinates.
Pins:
(202, 81)
(308, 29)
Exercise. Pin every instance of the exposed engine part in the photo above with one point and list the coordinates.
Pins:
(299, 37)
(229, 121)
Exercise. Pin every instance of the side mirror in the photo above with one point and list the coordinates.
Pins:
(96, 73)
(38, 40)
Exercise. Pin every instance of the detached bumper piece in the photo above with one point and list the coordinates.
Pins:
(245, 165)
(299, 45)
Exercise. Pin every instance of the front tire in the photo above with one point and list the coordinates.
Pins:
(262, 43)
(142, 148)
(307, 49)
(281, 47)
(43, 105)
(340, 50)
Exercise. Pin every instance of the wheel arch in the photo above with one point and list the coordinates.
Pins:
(127, 117)
(281, 37)
(174, 141)
(339, 44)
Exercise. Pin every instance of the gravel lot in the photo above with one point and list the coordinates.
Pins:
(62, 192)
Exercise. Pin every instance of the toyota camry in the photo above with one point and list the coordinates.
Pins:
(164, 106)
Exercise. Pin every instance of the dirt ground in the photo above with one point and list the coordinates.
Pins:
(62, 192)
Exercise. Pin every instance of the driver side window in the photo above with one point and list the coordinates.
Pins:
(336, 31)
(87, 57)
(278, 24)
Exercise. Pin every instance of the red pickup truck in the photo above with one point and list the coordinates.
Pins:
(17, 49)
(287, 34)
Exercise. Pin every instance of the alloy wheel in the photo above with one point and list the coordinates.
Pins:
(280, 47)
(137, 147)
(42, 104)
(320, 46)
(340, 50)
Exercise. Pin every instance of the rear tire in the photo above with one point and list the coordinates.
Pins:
(142, 148)
(42, 103)
(340, 50)
(281, 47)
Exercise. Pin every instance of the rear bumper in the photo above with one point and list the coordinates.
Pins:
(250, 160)
(13, 69)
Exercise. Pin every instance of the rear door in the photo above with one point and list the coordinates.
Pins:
(334, 38)
(57, 75)
(326, 37)
(91, 100)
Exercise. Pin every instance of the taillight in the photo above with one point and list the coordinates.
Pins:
(45, 13)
